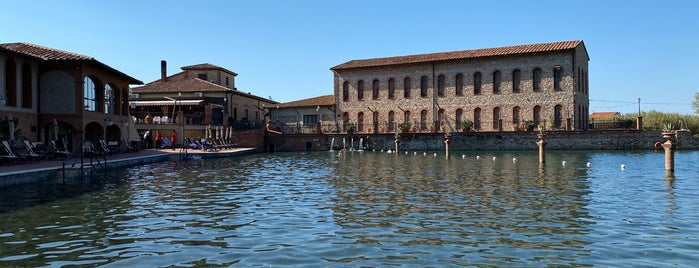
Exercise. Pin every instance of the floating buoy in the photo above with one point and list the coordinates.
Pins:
(414, 153)
(623, 167)
(463, 156)
(495, 158)
(564, 163)
(406, 153)
(588, 164)
(389, 151)
(424, 154)
(435, 154)
(514, 160)
(478, 157)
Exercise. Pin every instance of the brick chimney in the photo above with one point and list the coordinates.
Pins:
(163, 70)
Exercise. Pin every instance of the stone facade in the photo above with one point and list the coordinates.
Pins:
(562, 94)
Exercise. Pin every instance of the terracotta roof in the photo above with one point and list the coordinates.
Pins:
(207, 66)
(604, 114)
(326, 100)
(52, 54)
(187, 85)
(461, 54)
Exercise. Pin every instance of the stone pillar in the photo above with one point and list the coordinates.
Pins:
(397, 138)
(542, 145)
(669, 145)
(447, 138)
(639, 123)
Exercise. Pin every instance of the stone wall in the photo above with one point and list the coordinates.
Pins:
(483, 141)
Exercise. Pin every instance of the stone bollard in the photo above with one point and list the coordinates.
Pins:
(669, 145)
(397, 139)
(447, 137)
(542, 144)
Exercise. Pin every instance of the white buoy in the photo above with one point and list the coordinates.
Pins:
(588, 164)
(623, 167)
(424, 154)
(463, 156)
(495, 158)
(435, 154)
(564, 163)
(389, 151)
(514, 160)
(414, 153)
(406, 153)
(478, 157)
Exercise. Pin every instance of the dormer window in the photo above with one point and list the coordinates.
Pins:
(204, 77)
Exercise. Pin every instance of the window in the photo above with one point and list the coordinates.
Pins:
(26, 86)
(375, 89)
(516, 80)
(459, 115)
(360, 121)
(10, 82)
(477, 83)
(108, 99)
(496, 118)
(406, 87)
(227, 82)
(406, 116)
(309, 120)
(345, 91)
(423, 119)
(557, 77)
(515, 115)
(89, 93)
(391, 121)
(440, 117)
(477, 118)
(537, 114)
(440, 86)
(558, 116)
(536, 80)
(496, 82)
(204, 77)
(375, 120)
(459, 81)
(391, 88)
(360, 90)
(345, 121)
(423, 86)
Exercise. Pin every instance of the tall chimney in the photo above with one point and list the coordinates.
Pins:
(163, 70)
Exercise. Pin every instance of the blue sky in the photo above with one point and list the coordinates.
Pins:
(284, 49)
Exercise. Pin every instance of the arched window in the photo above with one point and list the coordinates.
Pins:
(406, 87)
(536, 80)
(360, 90)
(345, 120)
(391, 88)
(477, 118)
(423, 119)
(89, 95)
(345, 91)
(27, 86)
(537, 114)
(516, 80)
(423, 86)
(10, 82)
(558, 116)
(360, 121)
(459, 117)
(477, 83)
(406, 116)
(496, 82)
(375, 89)
(375, 121)
(391, 121)
(440, 85)
(515, 116)
(459, 81)
(108, 99)
(496, 118)
(440, 116)
(557, 78)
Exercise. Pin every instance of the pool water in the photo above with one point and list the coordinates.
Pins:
(370, 209)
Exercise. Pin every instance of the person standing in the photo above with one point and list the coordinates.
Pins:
(173, 137)
(147, 139)
(157, 139)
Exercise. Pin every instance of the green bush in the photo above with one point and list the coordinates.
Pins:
(656, 120)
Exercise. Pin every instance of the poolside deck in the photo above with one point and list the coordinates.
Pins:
(28, 172)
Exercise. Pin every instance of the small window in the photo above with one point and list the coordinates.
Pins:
(459, 81)
(477, 83)
(204, 77)
(515, 116)
(310, 119)
(496, 118)
(440, 86)
(477, 118)
(406, 87)
(360, 121)
(360, 90)
(536, 80)
(391, 121)
(391, 88)
(345, 91)
(375, 89)
(557, 77)
(516, 80)
(423, 119)
(496, 82)
(423, 86)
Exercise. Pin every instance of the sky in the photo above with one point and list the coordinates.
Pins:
(284, 49)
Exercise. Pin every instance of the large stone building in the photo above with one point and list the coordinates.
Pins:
(55, 94)
(498, 89)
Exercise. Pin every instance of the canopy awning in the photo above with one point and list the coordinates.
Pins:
(166, 102)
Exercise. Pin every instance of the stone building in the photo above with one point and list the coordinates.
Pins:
(497, 89)
(305, 116)
(61, 95)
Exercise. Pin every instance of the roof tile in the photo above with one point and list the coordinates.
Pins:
(325, 100)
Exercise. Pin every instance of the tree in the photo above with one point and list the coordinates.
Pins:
(695, 104)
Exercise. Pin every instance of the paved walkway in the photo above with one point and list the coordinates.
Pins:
(29, 167)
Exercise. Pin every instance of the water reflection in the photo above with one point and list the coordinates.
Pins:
(363, 209)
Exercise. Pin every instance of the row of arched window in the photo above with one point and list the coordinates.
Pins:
(479, 122)
(477, 84)
(94, 96)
